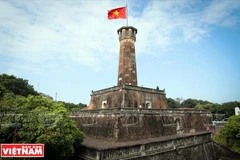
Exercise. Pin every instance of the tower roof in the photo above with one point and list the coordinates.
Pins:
(127, 27)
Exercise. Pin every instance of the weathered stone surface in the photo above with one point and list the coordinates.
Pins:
(128, 96)
(187, 146)
(124, 124)
(127, 69)
(223, 153)
(197, 146)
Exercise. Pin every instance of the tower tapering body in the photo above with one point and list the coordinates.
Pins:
(127, 69)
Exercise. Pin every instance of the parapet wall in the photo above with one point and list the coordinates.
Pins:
(124, 124)
(192, 147)
(128, 96)
(129, 87)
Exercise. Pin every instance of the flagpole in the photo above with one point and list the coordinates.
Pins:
(127, 14)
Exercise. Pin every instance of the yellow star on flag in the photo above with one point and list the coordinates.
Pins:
(116, 13)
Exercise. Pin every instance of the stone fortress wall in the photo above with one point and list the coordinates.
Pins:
(124, 124)
(197, 146)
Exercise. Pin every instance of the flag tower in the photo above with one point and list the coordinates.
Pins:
(127, 93)
(126, 116)
(127, 70)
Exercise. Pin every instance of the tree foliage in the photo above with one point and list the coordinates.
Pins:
(18, 86)
(37, 119)
(228, 108)
(73, 107)
(188, 103)
(229, 135)
(172, 103)
(225, 108)
(27, 116)
(192, 103)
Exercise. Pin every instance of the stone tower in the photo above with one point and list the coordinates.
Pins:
(127, 93)
(127, 70)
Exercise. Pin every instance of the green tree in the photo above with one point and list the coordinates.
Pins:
(212, 107)
(229, 135)
(16, 85)
(81, 105)
(189, 103)
(39, 120)
(9, 106)
(172, 103)
(73, 107)
(3, 90)
(228, 108)
(225, 108)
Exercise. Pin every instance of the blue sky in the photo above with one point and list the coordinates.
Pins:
(190, 48)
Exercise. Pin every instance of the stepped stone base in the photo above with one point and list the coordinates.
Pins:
(197, 146)
(147, 134)
(186, 146)
(128, 96)
(124, 124)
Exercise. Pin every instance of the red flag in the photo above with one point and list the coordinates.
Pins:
(117, 13)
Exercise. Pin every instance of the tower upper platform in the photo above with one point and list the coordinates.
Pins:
(127, 32)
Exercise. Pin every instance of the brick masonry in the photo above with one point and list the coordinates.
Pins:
(196, 146)
(128, 96)
(127, 69)
(124, 124)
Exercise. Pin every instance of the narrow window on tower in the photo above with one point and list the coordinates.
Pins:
(130, 32)
(123, 32)
(126, 33)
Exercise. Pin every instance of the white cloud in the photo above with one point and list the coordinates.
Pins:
(79, 32)
(220, 13)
